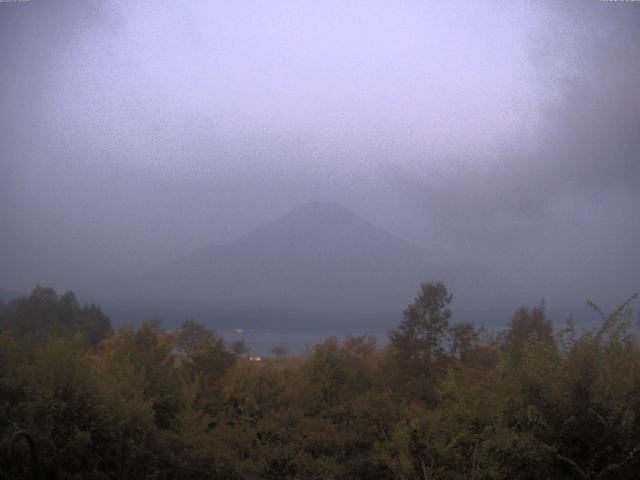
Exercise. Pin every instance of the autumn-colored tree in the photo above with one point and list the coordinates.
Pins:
(440, 401)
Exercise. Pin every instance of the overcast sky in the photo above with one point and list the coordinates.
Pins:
(505, 134)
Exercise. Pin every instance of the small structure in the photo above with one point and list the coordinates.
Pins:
(255, 358)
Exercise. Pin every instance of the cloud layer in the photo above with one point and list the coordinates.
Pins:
(506, 136)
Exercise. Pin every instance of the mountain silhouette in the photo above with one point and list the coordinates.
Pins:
(318, 261)
(318, 265)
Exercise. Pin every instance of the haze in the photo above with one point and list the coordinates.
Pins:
(500, 137)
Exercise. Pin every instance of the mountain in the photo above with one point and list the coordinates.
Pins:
(319, 261)
(318, 266)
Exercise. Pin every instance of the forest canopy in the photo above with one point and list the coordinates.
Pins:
(442, 400)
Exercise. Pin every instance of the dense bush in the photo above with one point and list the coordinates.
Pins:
(441, 401)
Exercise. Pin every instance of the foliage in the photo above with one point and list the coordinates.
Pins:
(44, 314)
(441, 401)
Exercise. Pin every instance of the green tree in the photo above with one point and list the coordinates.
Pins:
(44, 314)
(528, 327)
(206, 360)
(420, 335)
(417, 345)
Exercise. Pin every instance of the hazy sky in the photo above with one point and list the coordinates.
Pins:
(506, 134)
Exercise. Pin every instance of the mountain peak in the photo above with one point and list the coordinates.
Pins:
(322, 207)
(318, 257)
(318, 224)
(321, 214)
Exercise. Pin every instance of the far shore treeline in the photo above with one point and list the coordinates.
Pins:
(442, 400)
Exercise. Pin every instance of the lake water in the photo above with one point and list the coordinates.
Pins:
(262, 341)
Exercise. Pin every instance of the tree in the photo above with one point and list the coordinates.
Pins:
(416, 354)
(206, 361)
(464, 338)
(239, 348)
(528, 328)
(194, 336)
(44, 314)
(419, 337)
(280, 351)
